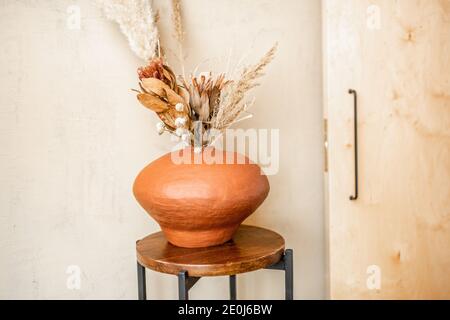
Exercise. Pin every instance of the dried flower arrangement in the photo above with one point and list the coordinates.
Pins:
(188, 107)
(197, 110)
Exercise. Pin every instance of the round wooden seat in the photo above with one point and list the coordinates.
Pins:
(251, 248)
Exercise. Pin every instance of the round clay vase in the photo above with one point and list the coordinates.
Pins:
(197, 199)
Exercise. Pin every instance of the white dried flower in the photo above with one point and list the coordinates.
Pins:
(179, 132)
(185, 137)
(179, 107)
(136, 21)
(197, 149)
(160, 127)
(180, 122)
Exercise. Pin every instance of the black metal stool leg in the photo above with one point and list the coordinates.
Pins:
(142, 292)
(286, 264)
(289, 273)
(183, 291)
(233, 287)
(185, 283)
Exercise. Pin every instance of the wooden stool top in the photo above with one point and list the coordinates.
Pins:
(251, 248)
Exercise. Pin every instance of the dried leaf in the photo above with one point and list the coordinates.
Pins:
(173, 97)
(202, 82)
(153, 85)
(168, 119)
(184, 93)
(219, 80)
(194, 99)
(162, 90)
(168, 73)
(153, 103)
(204, 112)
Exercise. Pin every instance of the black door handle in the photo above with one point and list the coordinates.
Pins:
(355, 124)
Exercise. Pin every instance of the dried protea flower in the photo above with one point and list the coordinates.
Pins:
(204, 95)
(158, 70)
(161, 94)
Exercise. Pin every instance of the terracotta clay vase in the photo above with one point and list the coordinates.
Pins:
(196, 203)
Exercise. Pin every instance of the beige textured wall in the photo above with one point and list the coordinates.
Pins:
(73, 138)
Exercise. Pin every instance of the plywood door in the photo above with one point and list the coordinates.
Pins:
(396, 54)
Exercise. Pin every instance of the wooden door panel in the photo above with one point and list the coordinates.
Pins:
(401, 222)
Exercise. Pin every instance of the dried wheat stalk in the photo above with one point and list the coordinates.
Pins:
(179, 31)
(176, 20)
(231, 106)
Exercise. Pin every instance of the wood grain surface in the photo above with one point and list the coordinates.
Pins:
(250, 249)
(393, 242)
